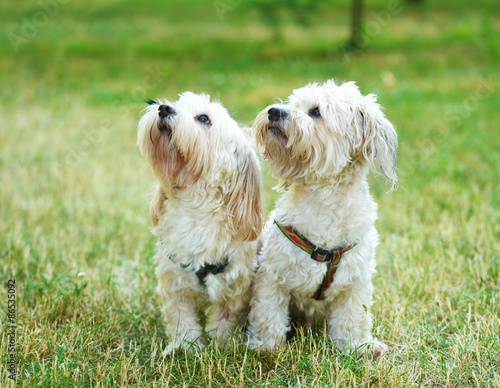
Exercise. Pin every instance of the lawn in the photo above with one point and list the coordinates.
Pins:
(74, 222)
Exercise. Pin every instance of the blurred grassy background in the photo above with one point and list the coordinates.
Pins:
(73, 194)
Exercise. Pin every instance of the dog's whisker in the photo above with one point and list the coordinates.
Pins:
(151, 135)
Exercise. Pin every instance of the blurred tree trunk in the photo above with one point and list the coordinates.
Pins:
(357, 21)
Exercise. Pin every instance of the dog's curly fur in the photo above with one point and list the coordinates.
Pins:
(321, 145)
(206, 207)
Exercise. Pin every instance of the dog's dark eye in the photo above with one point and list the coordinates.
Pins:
(204, 119)
(314, 112)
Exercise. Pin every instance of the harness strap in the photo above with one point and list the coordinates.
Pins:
(202, 273)
(331, 257)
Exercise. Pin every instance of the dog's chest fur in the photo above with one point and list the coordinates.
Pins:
(329, 217)
(195, 229)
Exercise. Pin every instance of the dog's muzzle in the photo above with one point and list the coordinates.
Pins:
(276, 117)
(165, 112)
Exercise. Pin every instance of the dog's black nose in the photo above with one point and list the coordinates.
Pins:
(165, 110)
(274, 114)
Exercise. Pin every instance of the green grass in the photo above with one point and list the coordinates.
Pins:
(74, 224)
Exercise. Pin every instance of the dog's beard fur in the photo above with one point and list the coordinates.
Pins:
(290, 148)
(351, 133)
(175, 151)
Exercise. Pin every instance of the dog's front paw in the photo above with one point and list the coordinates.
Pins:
(257, 343)
(190, 347)
(220, 339)
(170, 349)
(373, 349)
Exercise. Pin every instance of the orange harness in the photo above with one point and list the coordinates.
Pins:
(331, 257)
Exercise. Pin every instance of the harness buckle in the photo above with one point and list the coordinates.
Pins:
(322, 255)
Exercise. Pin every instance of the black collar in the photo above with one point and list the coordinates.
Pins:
(202, 273)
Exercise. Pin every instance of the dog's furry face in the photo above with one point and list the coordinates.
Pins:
(324, 131)
(195, 141)
(184, 140)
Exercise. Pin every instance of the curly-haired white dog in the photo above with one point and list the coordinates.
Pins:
(318, 249)
(206, 211)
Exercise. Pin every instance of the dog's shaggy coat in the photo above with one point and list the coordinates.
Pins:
(206, 209)
(321, 145)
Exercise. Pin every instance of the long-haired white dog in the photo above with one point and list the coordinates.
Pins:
(206, 211)
(318, 248)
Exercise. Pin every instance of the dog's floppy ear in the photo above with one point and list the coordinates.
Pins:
(380, 140)
(245, 198)
(156, 204)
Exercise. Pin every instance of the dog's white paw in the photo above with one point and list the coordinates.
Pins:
(373, 348)
(220, 339)
(190, 347)
(257, 343)
(170, 349)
